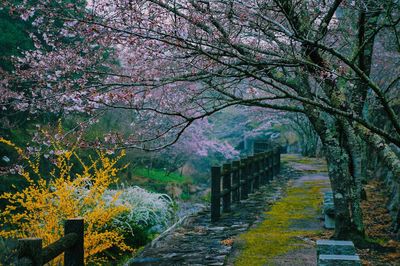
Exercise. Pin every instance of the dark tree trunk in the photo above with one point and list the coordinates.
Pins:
(347, 205)
(348, 224)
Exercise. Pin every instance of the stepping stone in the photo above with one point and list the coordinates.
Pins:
(329, 211)
(329, 222)
(335, 247)
(339, 260)
(328, 197)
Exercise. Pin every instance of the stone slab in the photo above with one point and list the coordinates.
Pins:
(335, 247)
(329, 222)
(328, 196)
(329, 215)
(329, 210)
(335, 242)
(339, 260)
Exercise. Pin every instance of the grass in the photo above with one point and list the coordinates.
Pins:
(162, 176)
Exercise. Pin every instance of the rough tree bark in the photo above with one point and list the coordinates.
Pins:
(330, 130)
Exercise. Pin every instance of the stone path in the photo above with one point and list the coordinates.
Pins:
(197, 241)
(282, 238)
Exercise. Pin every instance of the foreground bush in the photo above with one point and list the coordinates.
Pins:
(148, 212)
(40, 208)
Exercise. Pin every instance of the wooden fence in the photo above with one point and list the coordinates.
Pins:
(234, 181)
(30, 251)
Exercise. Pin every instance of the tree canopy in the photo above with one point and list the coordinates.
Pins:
(174, 62)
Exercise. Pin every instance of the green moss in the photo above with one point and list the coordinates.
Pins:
(305, 164)
(293, 158)
(277, 234)
(315, 170)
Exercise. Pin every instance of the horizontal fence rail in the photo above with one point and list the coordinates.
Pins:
(30, 251)
(236, 180)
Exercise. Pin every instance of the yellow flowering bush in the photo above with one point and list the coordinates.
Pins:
(40, 209)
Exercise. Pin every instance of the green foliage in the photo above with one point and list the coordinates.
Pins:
(14, 38)
(207, 197)
(161, 175)
(185, 195)
(8, 249)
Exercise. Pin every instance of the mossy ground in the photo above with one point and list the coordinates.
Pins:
(295, 158)
(305, 164)
(288, 221)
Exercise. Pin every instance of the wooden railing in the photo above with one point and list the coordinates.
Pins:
(236, 180)
(30, 251)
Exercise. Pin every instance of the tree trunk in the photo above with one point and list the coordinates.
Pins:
(347, 224)
(352, 143)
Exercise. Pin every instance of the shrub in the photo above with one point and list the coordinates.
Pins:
(147, 213)
(40, 208)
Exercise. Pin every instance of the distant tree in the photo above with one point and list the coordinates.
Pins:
(309, 139)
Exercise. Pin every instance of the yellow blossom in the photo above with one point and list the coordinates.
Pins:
(40, 209)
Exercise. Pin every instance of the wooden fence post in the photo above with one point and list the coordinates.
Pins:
(244, 190)
(263, 173)
(273, 166)
(256, 170)
(74, 256)
(267, 168)
(279, 160)
(30, 252)
(236, 181)
(250, 174)
(276, 161)
(215, 193)
(263, 167)
(226, 186)
(240, 178)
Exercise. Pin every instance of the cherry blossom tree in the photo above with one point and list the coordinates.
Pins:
(180, 61)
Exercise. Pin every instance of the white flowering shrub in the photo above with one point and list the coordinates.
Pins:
(147, 212)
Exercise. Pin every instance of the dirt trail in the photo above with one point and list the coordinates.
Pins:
(282, 238)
